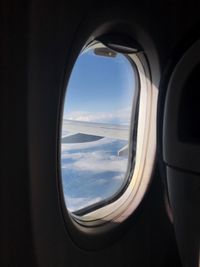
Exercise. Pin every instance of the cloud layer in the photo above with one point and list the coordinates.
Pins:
(95, 162)
(92, 172)
(121, 116)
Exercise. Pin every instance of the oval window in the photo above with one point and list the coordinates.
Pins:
(97, 156)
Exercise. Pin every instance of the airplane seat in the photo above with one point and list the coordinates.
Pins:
(181, 152)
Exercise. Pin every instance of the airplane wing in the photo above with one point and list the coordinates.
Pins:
(80, 132)
(89, 131)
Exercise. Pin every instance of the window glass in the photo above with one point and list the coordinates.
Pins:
(96, 127)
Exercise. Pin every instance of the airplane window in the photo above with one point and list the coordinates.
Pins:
(98, 134)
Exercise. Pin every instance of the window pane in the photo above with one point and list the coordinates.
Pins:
(96, 128)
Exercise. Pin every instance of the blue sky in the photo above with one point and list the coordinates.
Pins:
(100, 89)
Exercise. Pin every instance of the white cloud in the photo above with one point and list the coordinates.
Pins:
(121, 116)
(96, 162)
(86, 164)
(73, 156)
(118, 177)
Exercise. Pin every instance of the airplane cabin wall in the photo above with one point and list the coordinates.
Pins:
(39, 43)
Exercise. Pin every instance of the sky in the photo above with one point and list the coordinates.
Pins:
(100, 89)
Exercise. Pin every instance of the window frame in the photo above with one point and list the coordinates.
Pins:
(124, 204)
